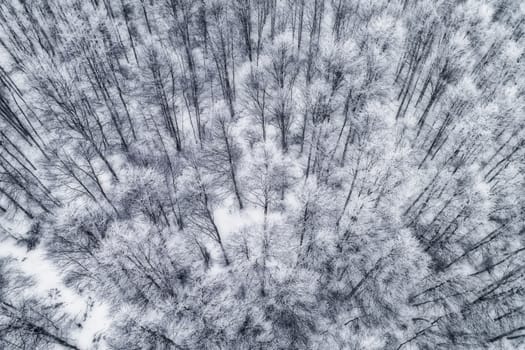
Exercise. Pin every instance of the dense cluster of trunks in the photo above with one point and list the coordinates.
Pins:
(263, 174)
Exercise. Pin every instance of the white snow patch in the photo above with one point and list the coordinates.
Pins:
(47, 278)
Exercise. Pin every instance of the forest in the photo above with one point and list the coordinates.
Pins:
(262, 174)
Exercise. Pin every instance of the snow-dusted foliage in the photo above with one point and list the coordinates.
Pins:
(262, 174)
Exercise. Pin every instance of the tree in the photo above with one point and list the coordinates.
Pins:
(29, 323)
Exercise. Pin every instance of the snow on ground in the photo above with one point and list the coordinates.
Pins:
(47, 278)
(230, 221)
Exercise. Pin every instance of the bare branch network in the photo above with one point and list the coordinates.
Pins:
(262, 174)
